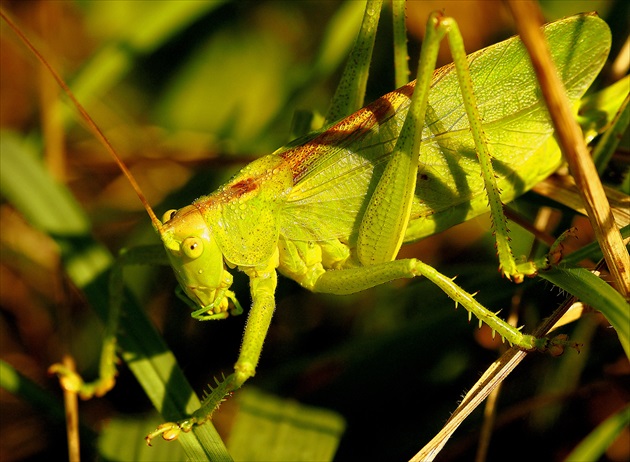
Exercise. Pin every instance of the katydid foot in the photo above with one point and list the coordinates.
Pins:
(170, 431)
(70, 380)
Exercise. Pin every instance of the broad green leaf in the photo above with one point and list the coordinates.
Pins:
(269, 428)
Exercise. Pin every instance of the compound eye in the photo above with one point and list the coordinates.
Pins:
(192, 247)
(168, 215)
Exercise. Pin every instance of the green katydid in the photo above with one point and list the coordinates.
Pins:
(277, 213)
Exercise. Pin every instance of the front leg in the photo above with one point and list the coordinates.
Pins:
(262, 281)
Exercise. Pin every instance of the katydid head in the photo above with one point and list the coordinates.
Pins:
(196, 259)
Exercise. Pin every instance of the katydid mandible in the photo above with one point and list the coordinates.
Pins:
(331, 210)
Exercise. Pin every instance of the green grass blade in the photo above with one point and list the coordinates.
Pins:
(54, 211)
(595, 444)
(610, 140)
(593, 291)
(48, 206)
(17, 384)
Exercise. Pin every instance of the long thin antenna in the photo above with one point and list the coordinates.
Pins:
(91, 124)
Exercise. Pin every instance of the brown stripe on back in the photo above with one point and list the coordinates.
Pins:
(346, 130)
(243, 187)
(228, 194)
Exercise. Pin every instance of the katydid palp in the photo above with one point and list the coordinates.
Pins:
(307, 211)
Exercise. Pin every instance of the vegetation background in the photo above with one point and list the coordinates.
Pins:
(188, 109)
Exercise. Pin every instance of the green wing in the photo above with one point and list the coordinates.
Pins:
(337, 169)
